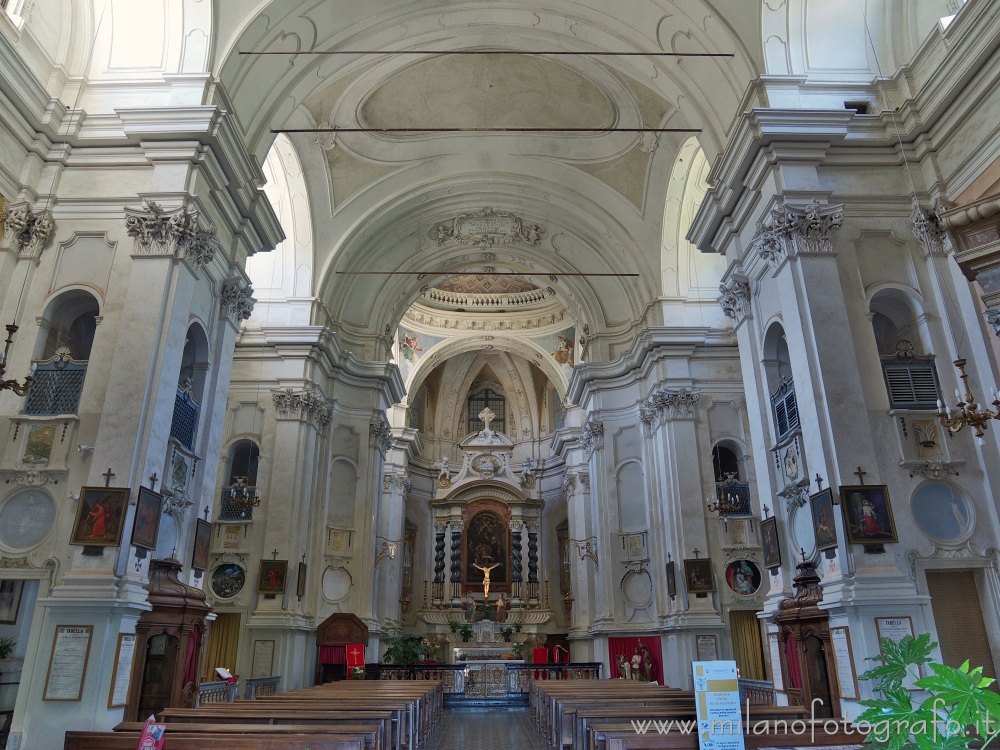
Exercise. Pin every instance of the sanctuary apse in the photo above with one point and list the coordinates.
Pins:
(640, 334)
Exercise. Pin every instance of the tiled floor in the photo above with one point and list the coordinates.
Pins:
(505, 729)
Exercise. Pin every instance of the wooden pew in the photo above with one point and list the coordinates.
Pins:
(371, 734)
(182, 741)
(618, 736)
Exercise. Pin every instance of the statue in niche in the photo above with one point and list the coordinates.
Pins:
(470, 609)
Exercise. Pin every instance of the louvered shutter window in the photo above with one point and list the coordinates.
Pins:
(786, 411)
(911, 385)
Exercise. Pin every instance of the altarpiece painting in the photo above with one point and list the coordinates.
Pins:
(487, 543)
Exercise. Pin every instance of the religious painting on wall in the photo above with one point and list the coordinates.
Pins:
(486, 540)
(671, 579)
(148, 509)
(228, 580)
(202, 538)
(868, 515)
(698, 576)
(769, 541)
(10, 600)
(743, 577)
(822, 514)
(101, 517)
(38, 447)
(272, 576)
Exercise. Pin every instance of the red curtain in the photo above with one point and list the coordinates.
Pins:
(333, 654)
(627, 646)
(792, 666)
(191, 657)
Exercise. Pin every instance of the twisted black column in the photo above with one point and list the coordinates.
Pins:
(456, 556)
(515, 563)
(532, 557)
(439, 557)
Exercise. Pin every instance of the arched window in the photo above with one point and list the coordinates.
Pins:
(69, 327)
(495, 402)
(725, 462)
(910, 377)
(240, 491)
(778, 368)
(190, 384)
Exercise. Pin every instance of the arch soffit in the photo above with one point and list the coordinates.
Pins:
(55, 298)
(484, 490)
(395, 233)
(450, 351)
(895, 290)
(513, 380)
(284, 24)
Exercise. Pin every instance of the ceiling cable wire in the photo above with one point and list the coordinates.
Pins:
(957, 340)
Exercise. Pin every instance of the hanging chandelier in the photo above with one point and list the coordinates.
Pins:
(242, 495)
(970, 412)
(19, 388)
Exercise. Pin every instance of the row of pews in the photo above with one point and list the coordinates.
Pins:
(610, 715)
(350, 715)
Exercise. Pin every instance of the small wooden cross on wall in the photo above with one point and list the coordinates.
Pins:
(696, 553)
(819, 481)
(108, 476)
(153, 479)
(274, 554)
(861, 475)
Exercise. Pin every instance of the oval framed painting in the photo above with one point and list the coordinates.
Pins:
(943, 513)
(743, 577)
(228, 580)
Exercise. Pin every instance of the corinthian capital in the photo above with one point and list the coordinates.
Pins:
(26, 230)
(930, 231)
(797, 230)
(236, 299)
(735, 300)
(177, 232)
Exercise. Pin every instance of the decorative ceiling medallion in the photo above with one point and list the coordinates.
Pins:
(487, 228)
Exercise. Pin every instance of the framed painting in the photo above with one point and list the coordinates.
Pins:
(868, 515)
(821, 505)
(202, 538)
(148, 509)
(743, 577)
(769, 541)
(272, 576)
(100, 518)
(10, 600)
(698, 576)
(300, 580)
(672, 579)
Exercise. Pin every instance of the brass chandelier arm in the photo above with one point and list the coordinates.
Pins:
(13, 385)
(970, 412)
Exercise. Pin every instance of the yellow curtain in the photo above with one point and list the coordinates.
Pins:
(223, 641)
(747, 647)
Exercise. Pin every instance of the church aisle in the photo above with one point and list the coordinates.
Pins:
(504, 729)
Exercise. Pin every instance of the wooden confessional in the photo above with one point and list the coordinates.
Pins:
(169, 643)
(806, 651)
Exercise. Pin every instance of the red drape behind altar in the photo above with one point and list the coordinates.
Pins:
(333, 655)
(627, 647)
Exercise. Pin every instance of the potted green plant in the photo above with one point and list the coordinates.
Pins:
(485, 611)
(959, 709)
(518, 650)
(7, 647)
(403, 648)
(453, 625)
(465, 631)
(506, 634)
